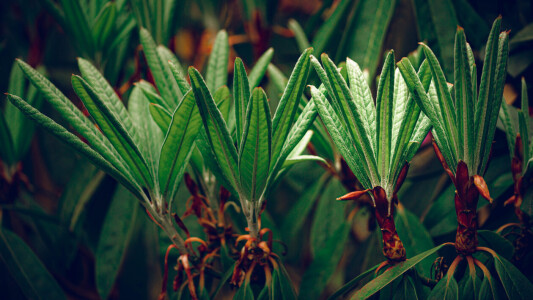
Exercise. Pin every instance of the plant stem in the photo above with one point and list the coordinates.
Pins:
(466, 210)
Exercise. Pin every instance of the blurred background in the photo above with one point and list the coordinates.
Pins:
(60, 205)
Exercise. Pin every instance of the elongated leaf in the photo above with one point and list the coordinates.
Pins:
(29, 273)
(390, 275)
(384, 122)
(325, 32)
(7, 154)
(352, 284)
(324, 263)
(166, 85)
(347, 110)
(299, 35)
(340, 137)
(446, 289)
(181, 86)
(510, 129)
(216, 129)
(286, 111)
(61, 133)
(258, 71)
(497, 97)
(114, 239)
(365, 34)
(255, 151)
(108, 96)
(241, 96)
(114, 130)
(446, 103)
(217, 66)
(161, 116)
(104, 24)
(74, 116)
(150, 135)
(486, 91)
(464, 99)
(515, 284)
(178, 144)
(362, 97)
(76, 22)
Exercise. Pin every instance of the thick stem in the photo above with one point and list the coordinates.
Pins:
(392, 245)
(466, 198)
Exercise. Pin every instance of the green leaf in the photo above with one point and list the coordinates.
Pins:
(524, 129)
(114, 130)
(255, 151)
(150, 135)
(168, 58)
(288, 105)
(241, 96)
(486, 93)
(216, 129)
(489, 289)
(74, 116)
(362, 96)
(508, 124)
(384, 122)
(108, 96)
(329, 216)
(366, 32)
(515, 284)
(390, 275)
(30, 274)
(161, 116)
(414, 237)
(217, 65)
(76, 22)
(340, 137)
(258, 71)
(7, 154)
(166, 85)
(464, 99)
(446, 289)
(178, 145)
(116, 232)
(325, 261)
(284, 282)
(326, 31)
(104, 24)
(446, 104)
(61, 133)
(299, 35)
(343, 102)
(352, 284)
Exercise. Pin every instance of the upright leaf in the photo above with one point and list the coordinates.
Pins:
(258, 71)
(255, 151)
(178, 144)
(217, 66)
(241, 96)
(384, 108)
(286, 111)
(216, 129)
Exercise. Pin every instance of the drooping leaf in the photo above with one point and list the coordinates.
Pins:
(61, 133)
(114, 238)
(114, 130)
(515, 284)
(29, 273)
(390, 275)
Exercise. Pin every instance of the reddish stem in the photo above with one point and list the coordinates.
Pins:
(392, 245)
